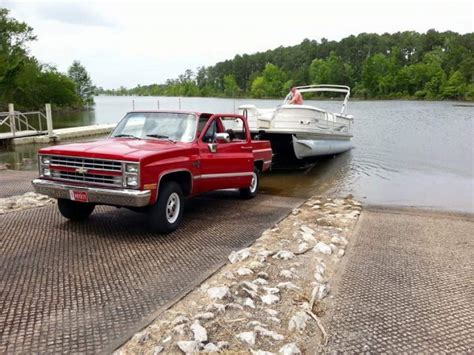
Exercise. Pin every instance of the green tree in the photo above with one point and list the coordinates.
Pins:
(84, 87)
(271, 83)
(455, 87)
(231, 89)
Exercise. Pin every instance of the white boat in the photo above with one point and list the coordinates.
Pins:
(304, 130)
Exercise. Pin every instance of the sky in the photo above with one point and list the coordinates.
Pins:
(125, 43)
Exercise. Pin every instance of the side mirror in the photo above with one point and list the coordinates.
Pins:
(222, 137)
(212, 147)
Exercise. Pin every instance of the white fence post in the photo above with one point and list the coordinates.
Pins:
(11, 114)
(49, 120)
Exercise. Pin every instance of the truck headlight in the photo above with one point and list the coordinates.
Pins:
(131, 168)
(132, 181)
(45, 159)
(46, 172)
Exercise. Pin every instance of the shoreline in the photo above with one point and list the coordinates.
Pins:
(353, 98)
(271, 296)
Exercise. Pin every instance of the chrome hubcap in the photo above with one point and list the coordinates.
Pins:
(172, 207)
(253, 184)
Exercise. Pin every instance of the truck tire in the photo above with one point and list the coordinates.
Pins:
(251, 191)
(75, 211)
(166, 214)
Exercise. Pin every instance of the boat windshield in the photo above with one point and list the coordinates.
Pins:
(180, 127)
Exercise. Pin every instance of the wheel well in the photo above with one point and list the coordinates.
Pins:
(259, 165)
(183, 178)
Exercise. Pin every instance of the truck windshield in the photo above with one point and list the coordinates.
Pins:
(179, 127)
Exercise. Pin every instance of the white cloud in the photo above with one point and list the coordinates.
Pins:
(126, 43)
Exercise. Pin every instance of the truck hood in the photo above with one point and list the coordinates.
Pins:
(116, 148)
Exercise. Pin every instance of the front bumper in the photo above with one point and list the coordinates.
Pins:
(124, 197)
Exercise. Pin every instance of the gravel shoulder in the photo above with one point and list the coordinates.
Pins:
(274, 296)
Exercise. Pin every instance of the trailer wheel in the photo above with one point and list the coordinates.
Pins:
(166, 214)
(75, 211)
(251, 191)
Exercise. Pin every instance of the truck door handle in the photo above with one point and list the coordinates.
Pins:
(246, 148)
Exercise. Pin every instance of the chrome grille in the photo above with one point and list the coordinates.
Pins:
(89, 178)
(76, 162)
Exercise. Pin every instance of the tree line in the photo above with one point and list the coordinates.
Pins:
(28, 83)
(431, 65)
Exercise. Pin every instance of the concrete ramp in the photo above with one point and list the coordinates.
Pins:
(407, 285)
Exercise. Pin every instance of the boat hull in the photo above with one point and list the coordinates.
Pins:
(309, 148)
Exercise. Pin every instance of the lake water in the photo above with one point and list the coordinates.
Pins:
(406, 153)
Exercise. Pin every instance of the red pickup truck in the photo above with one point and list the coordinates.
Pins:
(151, 161)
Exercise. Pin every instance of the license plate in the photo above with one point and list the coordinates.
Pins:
(80, 196)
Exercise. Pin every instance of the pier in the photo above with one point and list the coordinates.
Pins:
(36, 127)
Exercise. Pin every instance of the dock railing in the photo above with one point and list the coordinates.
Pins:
(23, 121)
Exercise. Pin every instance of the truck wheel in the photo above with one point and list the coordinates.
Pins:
(166, 214)
(75, 211)
(251, 191)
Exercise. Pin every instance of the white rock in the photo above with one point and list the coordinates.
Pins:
(288, 285)
(211, 348)
(306, 229)
(271, 290)
(249, 302)
(254, 323)
(333, 248)
(339, 240)
(323, 248)
(290, 349)
(265, 253)
(318, 277)
(188, 346)
(253, 265)
(237, 256)
(218, 292)
(248, 337)
(284, 255)
(260, 281)
(158, 349)
(228, 275)
(287, 274)
(341, 253)
(271, 312)
(269, 333)
(180, 320)
(261, 352)
(323, 291)
(298, 322)
(308, 238)
(205, 316)
(244, 271)
(269, 299)
(200, 333)
(303, 247)
(263, 275)
(250, 288)
(321, 268)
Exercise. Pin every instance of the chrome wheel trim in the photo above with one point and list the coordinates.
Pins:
(254, 183)
(173, 206)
